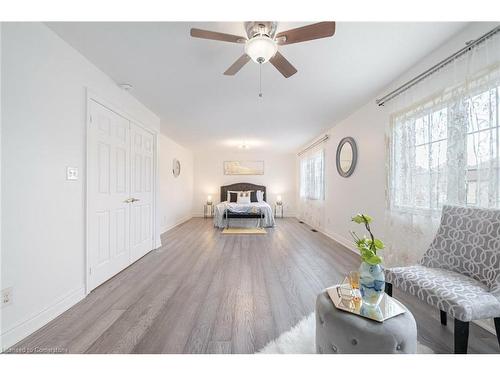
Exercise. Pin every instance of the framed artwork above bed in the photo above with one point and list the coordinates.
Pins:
(244, 168)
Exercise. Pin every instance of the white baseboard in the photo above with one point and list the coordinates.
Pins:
(26, 328)
(178, 222)
(336, 237)
(341, 240)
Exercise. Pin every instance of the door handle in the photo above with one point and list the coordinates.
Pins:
(131, 200)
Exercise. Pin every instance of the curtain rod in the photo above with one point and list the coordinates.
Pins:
(469, 45)
(321, 140)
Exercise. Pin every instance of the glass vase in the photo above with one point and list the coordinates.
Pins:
(371, 283)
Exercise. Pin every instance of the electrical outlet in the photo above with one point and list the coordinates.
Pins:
(6, 296)
(71, 173)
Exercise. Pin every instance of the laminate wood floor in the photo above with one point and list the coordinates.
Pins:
(204, 292)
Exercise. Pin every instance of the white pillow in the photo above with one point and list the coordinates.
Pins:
(243, 197)
(260, 196)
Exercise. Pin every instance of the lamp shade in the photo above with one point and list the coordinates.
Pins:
(209, 199)
(261, 48)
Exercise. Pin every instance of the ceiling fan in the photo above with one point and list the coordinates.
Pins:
(261, 43)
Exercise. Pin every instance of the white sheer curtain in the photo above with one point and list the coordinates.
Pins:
(312, 187)
(312, 176)
(444, 141)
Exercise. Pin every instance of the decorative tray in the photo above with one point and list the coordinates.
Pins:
(344, 298)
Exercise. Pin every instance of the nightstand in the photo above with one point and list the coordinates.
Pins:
(278, 209)
(208, 210)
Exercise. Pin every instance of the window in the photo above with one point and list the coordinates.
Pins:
(447, 150)
(312, 180)
(482, 172)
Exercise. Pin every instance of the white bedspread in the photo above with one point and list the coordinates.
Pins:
(255, 208)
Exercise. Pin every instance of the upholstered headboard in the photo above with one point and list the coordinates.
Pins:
(242, 186)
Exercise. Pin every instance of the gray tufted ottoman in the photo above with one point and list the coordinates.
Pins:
(341, 332)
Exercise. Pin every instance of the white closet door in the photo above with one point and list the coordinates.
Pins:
(141, 220)
(108, 191)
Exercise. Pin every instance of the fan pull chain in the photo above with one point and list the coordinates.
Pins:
(260, 80)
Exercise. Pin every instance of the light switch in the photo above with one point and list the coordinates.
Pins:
(71, 173)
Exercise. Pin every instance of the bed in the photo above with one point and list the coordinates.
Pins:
(243, 215)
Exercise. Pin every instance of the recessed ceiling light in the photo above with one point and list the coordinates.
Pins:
(243, 143)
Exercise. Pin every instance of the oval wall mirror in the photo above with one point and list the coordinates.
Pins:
(176, 168)
(347, 156)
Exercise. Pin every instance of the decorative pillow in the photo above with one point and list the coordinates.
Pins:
(243, 197)
(229, 195)
(233, 197)
(260, 196)
(253, 196)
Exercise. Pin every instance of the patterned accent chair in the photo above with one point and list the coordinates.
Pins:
(460, 272)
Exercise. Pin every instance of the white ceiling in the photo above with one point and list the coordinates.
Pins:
(180, 78)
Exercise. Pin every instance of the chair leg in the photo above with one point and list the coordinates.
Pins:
(461, 336)
(444, 319)
(497, 328)
(388, 289)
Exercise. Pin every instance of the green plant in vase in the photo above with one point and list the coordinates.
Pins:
(371, 273)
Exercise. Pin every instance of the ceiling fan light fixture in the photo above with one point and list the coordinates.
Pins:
(263, 41)
(261, 48)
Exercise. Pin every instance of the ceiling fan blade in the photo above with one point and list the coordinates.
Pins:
(283, 65)
(206, 34)
(237, 65)
(305, 33)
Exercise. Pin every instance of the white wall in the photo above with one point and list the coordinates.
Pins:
(176, 193)
(364, 190)
(43, 131)
(279, 176)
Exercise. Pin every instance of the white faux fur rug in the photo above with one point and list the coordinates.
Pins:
(301, 340)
